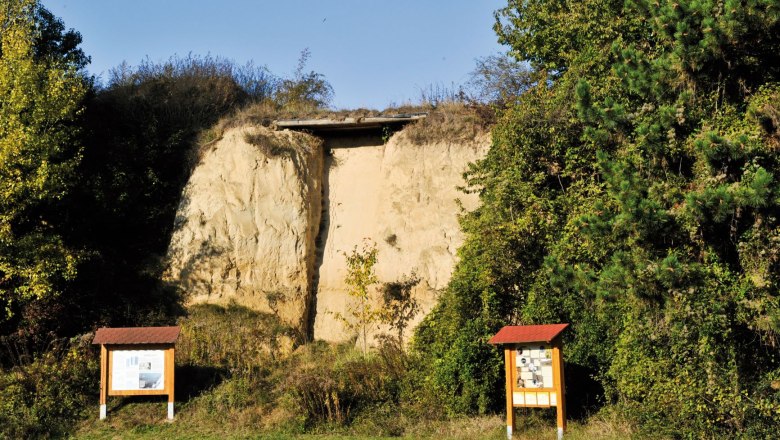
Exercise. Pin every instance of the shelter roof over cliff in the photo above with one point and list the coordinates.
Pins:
(348, 124)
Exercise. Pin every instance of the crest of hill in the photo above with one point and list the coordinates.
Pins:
(451, 121)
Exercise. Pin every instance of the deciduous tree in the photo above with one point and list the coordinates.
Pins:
(362, 311)
(41, 91)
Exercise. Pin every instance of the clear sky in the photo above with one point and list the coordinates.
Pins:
(373, 52)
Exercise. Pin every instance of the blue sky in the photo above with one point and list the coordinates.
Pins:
(374, 53)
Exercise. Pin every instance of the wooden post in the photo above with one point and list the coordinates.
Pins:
(169, 371)
(510, 407)
(559, 387)
(103, 380)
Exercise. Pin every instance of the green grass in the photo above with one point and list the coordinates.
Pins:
(145, 420)
(237, 378)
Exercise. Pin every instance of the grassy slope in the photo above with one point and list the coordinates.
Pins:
(235, 380)
(476, 428)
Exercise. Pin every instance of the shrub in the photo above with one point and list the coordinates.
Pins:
(304, 90)
(45, 397)
(331, 384)
(234, 339)
(451, 121)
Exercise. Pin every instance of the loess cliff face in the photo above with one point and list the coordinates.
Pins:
(402, 198)
(246, 225)
(269, 228)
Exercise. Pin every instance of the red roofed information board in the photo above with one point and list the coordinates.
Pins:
(534, 369)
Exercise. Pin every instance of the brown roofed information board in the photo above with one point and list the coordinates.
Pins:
(527, 333)
(136, 335)
(136, 361)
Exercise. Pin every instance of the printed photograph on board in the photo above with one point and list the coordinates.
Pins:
(138, 370)
(533, 367)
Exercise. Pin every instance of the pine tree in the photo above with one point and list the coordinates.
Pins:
(632, 193)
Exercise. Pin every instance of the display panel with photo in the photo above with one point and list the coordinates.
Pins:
(138, 370)
(533, 365)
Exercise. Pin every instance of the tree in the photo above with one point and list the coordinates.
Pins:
(40, 101)
(304, 91)
(688, 193)
(499, 79)
(54, 42)
(631, 192)
(363, 314)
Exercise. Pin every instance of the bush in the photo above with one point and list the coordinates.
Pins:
(330, 385)
(304, 91)
(45, 397)
(233, 338)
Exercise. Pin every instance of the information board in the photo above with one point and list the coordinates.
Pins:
(534, 366)
(138, 370)
(533, 363)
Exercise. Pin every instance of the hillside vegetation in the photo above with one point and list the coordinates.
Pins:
(629, 191)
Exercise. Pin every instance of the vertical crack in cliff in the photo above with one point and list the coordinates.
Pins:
(320, 240)
(278, 219)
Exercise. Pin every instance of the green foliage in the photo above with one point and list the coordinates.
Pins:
(43, 398)
(41, 96)
(54, 42)
(255, 338)
(363, 314)
(630, 192)
(320, 390)
(558, 36)
(521, 194)
(101, 171)
(329, 386)
(226, 357)
(304, 91)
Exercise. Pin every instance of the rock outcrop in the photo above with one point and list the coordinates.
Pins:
(268, 216)
(247, 222)
(402, 198)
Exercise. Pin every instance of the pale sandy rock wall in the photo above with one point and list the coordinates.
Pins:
(401, 197)
(249, 230)
(247, 224)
